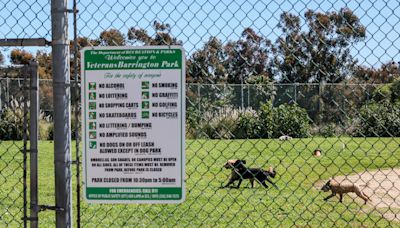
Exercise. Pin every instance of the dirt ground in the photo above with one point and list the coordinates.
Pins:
(383, 188)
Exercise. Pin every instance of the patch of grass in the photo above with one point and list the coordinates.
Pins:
(297, 202)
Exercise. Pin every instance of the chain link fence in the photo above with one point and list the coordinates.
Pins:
(310, 89)
(13, 147)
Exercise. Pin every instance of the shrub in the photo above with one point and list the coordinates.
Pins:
(226, 123)
(327, 130)
(379, 119)
(50, 129)
(248, 125)
(221, 124)
(290, 120)
(382, 93)
(267, 120)
(395, 87)
(387, 92)
(44, 129)
(230, 123)
(73, 127)
(193, 120)
(12, 122)
(51, 132)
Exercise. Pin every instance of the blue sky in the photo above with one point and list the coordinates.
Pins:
(194, 22)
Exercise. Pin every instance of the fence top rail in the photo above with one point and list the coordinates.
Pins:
(232, 85)
(16, 66)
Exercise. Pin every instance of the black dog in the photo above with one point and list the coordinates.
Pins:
(240, 172)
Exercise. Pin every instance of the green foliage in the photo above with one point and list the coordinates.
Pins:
(382, 93)
(48, 129)
(248, 126)
(51, 132)
(229, 123)
(328, 130)
(162, 35)
(267, 120)
(290, 120)
(321, 52)
(395, 88)
(233, 62)
(12, 123)
(285, 119)
(379, 119)
(192, 122)
(74, 126)
(45, 127)
(387, 92)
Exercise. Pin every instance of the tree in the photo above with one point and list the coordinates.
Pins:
(321, 53)
(87, 42)
(111, 37)
(1, 58)
(162, 35)
(385, 74)
(19, 56)
(207, 65)
(44, 64)
(247, 57)
(234, 62)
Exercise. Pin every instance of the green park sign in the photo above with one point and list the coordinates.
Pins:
(133, 107)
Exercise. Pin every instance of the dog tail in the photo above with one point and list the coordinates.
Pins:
(364, 185)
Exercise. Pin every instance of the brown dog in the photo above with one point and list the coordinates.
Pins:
(240, 172)
(339, 188)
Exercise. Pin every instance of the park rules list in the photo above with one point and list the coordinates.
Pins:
(133, 112)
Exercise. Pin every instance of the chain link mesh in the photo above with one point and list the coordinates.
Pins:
(311, 89)
(13, 128)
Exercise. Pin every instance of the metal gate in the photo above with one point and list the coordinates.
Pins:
(19, 113)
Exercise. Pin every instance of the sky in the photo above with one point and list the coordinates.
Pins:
(194, 21)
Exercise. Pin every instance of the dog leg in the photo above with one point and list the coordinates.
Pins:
(273, 184)
(341, 197)
(264, 184)
(362, 196)
(252, 183)
(330, 196)
(240, 181)
(366, 195)
(229, 183)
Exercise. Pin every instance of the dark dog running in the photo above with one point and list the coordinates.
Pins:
(240, 172)
(339, 188)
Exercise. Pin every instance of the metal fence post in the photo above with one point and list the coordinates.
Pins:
(24, 71)
(33, 138)
(199, 97)
(61, 98)
(7, 98)
(77, 123)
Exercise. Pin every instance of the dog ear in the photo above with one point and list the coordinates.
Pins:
(232, 161)
(244, 161)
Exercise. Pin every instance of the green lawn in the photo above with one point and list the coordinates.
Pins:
(297, 202)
